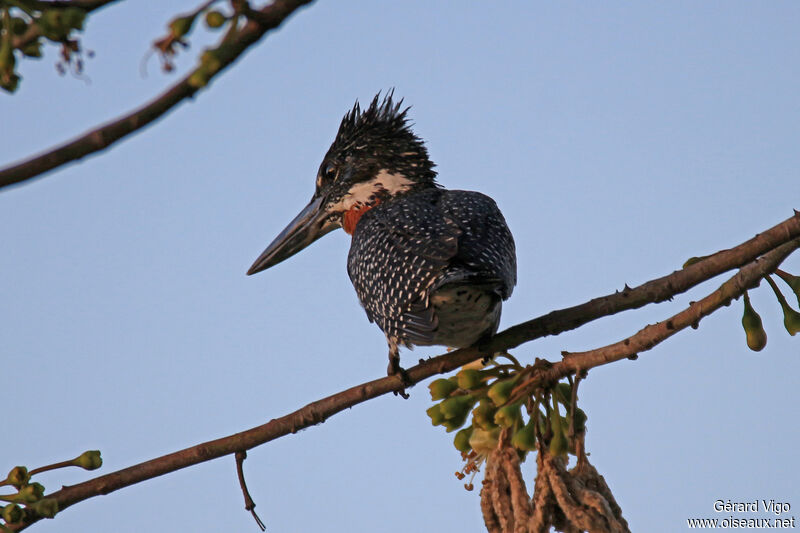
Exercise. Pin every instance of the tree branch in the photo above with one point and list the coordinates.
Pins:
(654, 334)
(34, 31)
(86, 5)
(98, 139)
(774, 245)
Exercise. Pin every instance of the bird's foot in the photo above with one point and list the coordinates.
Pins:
(396, 370)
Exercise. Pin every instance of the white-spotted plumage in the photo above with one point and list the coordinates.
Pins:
(433, 267)
(430, 266)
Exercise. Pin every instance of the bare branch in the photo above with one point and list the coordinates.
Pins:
(654, 334)
(774, 245)
(98, 139)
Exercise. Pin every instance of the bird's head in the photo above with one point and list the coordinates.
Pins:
(374, 158)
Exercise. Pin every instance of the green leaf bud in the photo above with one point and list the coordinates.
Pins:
(525, 437)
(792, 281)
(452, 424)
(563, 393)
(457, 406)
(791, 318)
(52, 23)
(469, 378)
(215, 19)
(441, 388)
(30, 493)
(753, 328)
(18, 476)
(12, 513)
(500, 391)
(89, 460)
(435, 412)
(180, 26)
(74, 17)
(507, 415)
(461, 440)
(483, 415)
(51, 18)
(32, 49)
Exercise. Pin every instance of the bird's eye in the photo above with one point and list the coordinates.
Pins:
(328, 172)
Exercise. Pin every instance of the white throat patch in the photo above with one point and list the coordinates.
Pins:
(364, 193)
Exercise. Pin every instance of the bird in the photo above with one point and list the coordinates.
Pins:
(430, 266)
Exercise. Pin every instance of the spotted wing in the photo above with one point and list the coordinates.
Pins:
(399, 249)
(404, 249)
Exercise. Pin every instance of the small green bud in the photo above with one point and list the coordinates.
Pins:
(452, 424)
(791, 318)
(792, 281)
(47, 507)
(89, 460)
(32, 49)
(563, 393)
(52, 18)
(483, 441)
(52, 24)
(525, 437)
(456, 410)
(18, 476)
(753, 328)
(12, 513)
(180, 26)
(483, 415)
(461, 440)
(435, 412)
(469, 378)
(441, 388)
(30, 493)
(500, 391)
(74, 17)
(457, 406)
(507, 415)
(215, 19)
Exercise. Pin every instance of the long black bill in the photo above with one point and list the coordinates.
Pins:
(307, 227)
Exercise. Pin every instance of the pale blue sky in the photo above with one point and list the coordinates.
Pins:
(619, 139)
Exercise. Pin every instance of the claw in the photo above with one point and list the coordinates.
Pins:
(396, 370)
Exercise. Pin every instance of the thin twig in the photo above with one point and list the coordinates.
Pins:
(654, 334)
(100, 138)
(34, 31)
(249, 504)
